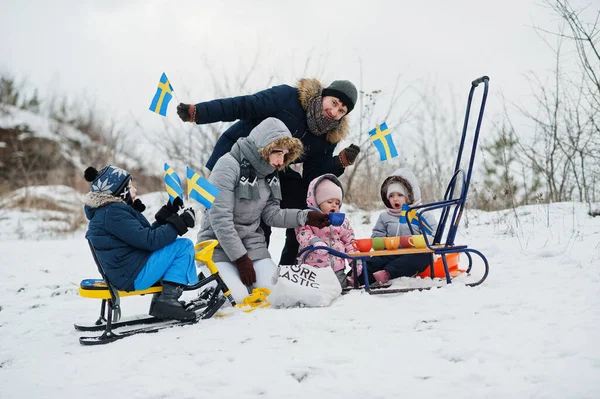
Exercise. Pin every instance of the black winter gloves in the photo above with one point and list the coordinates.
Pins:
(246, 270)
(317, 219)
(187, 112)
(183, 222)
(138, 205)
(348, 155)
(168, 210)
(189, 217)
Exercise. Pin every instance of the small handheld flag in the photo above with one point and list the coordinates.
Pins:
(163, 95)
(382, 138)
(172, 183)
(411, 217)
(200, 189)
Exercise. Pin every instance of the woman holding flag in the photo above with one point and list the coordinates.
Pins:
(249, 191)
(314, 114)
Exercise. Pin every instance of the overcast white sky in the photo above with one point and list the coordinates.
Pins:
(115, 51)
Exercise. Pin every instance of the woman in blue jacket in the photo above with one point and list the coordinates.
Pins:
(133, 253)
(313, 114)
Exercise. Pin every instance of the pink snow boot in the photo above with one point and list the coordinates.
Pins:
(382, 276)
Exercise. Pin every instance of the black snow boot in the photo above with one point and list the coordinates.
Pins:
(154, 299)
(166, 305)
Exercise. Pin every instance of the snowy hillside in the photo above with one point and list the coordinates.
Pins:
(530, 331)
(68, 138)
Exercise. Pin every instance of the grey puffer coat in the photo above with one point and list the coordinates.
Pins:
(235, 222)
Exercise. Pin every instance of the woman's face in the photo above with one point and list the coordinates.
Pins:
(333, 108)
(277, 158)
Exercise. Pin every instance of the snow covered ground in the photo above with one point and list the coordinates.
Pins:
(530, 331)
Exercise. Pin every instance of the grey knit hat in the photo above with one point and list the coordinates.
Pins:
(344, 90)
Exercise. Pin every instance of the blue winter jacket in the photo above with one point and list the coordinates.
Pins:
(285, 103)
(123, 238)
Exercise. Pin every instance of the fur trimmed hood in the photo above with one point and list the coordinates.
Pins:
(308, 88)
(293, 145)
(407, 178)
(96, 199)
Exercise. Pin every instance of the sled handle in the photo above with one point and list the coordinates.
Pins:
(482, 79)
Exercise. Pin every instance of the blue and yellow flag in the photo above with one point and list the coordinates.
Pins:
(172, 183)
(163, 95)
(200, 189)
(382, 138)
(411, 217)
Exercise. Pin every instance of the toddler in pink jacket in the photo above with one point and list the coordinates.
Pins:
(327, 193)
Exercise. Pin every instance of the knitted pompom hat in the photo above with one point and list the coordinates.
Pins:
(109, 180)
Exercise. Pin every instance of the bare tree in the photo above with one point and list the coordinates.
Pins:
(565, 148)
(586, 37)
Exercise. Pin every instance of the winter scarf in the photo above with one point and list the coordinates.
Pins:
(317, 122)
(252, 168)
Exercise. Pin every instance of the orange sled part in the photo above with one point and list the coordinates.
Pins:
(438, 267)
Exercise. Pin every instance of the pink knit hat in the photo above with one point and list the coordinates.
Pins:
(326, 190)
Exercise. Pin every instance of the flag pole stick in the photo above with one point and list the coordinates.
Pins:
(175, 96)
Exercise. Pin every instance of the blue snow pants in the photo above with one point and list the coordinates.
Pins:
(174, 263)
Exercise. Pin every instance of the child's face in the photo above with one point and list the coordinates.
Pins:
(396, 200)
(331, 205)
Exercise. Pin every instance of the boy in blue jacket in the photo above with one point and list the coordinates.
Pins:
(133, 253)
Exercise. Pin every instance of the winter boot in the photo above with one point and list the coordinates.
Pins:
(382, 276)
(153, 302)
(167, 306)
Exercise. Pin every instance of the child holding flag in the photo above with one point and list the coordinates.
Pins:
(400, 188)
(133, 253)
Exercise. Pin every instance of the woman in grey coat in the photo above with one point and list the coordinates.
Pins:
(250, 191)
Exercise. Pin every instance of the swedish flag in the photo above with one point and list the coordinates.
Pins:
(411, 217)
(172, 183)
(382, 138)
(200, 189)
(163, 95)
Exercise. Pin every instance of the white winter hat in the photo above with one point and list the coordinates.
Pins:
(396, 188)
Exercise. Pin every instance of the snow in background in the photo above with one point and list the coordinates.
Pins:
(42, 127)
(530, 331)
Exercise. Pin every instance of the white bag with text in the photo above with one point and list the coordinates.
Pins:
(304, 285)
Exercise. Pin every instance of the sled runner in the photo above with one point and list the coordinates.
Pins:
(206, 305)
(452, 207)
